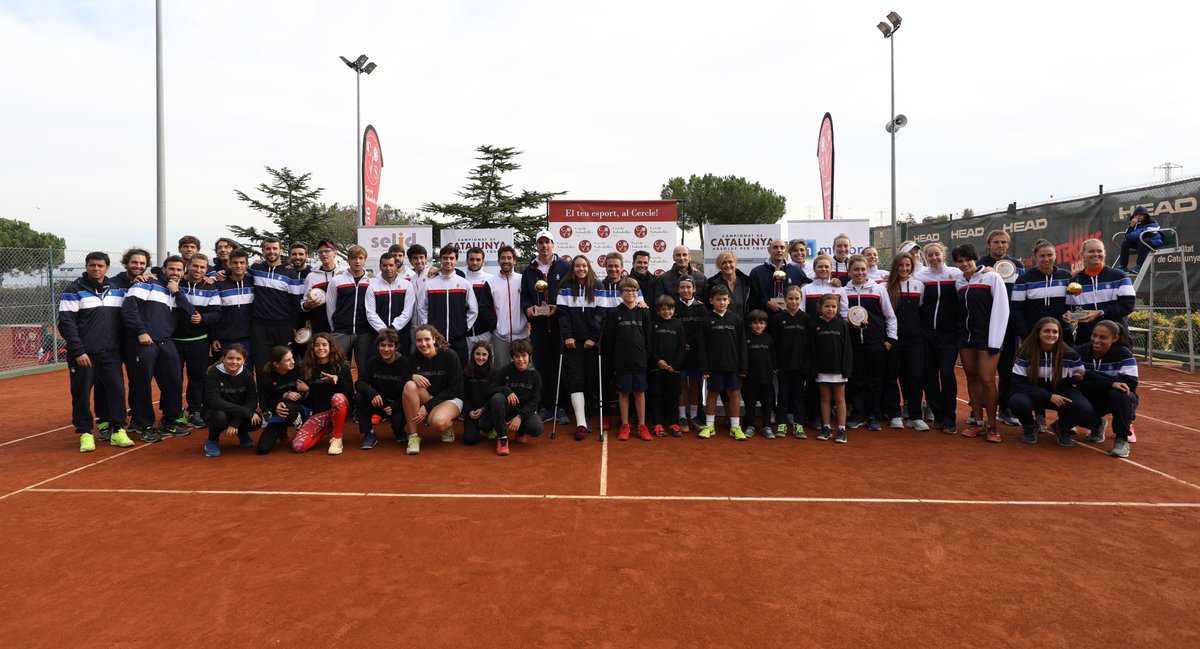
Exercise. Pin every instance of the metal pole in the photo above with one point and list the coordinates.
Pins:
(161, 154)
(893, 118)
(53, 305)
(358, 140)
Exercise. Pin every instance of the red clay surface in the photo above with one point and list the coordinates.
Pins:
(298, 569)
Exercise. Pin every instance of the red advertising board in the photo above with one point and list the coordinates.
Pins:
(596, 228)
(372, 169)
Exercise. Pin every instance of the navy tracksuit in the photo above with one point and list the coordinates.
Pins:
(149, 308)
(89, 320)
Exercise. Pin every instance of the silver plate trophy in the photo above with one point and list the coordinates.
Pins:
(1006, 269)
(317, 295)
(303, 334)
(857, 316)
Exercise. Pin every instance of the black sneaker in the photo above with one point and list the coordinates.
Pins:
(368, 442)
(1063, 437)
(873, 424)
(196, 420)
(826, 433)
(1029, 435)
(105, 432)
(1120, 448)
(1006, 417)
(149, 435)
(841, 436)
(855, 423)
(175, 429)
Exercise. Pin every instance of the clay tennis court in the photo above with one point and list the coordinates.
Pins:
(898, 538)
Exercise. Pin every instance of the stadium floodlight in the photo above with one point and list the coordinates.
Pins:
(895, 122)
(359, 66)
(883, 27)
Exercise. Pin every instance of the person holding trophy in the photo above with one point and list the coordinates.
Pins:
(539, 296)
(772, 277)
(1103, 293)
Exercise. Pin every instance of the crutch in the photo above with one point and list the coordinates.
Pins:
(600, 386)
(557, 388)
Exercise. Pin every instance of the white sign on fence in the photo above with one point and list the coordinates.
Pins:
(748, 242)
(489, 240)
(819, 234)
(378, 238)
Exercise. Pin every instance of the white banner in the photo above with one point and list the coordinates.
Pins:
(596, 228)
(489, 240)
(819, 234)
(378, 238)
(749, 242)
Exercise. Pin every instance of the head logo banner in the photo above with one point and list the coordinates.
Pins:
(825, 164)
(372, 169)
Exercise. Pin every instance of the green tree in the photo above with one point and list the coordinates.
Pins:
(489, 203)
(23, 249)
(968, 213)
(292, 205)
(344, 219)
(722, 200)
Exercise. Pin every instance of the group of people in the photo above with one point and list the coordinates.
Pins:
(834, 342)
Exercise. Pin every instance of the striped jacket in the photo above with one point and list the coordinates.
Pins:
(1118, 365)
(89, 316)
(881, 320)
(909, 294)
(149, 309)
(1022, 367)
(1036, 295)
(346, 303)
(812, 297)
(206, 299)
(319, 278)
(389, 305)
(278, 290)
(448, 303)
(939, 308)
(1109, 291)
(237, 304)
(983, 309)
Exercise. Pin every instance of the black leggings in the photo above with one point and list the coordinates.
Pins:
(866, 380)
(276, 427)
(1078, 412)
(941, 384)
(500, 413)
(1122, 406)
(754, 394)
(662, 402)
(219, 420)
(906, 366)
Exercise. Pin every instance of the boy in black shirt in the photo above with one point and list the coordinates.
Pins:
(693, 314)
(626, 341)
(723, 362)
(759, 387)
(667, 347)
(380, 384)
(516, 389)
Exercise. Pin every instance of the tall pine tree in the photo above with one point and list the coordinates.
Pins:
(292, 205)
(489, 203)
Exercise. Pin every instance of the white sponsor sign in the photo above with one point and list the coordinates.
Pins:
(819, 234)
(749, 242)
(596, 228)
(489, 240)
(378, 238)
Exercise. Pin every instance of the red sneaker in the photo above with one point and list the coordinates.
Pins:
(993, 435)
(676, 431)
(502, 446)
(623, 434)
(644, 433)
(521, 439)
(973, 430)
(659, 431)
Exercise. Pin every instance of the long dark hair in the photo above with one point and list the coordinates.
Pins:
(589, 282)
(893, 281)
(474, 370)
(336, 358)
(1031, 351)
(1119, 334)
(278, 352)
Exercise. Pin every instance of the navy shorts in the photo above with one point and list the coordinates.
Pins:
(631, 382)
(724, 382)
(690, 374)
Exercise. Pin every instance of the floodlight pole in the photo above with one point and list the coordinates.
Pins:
(892, 40)
(161, 156)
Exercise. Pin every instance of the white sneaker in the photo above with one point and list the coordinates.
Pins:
(897, 423)
(448, 436)
(414, 444)
(335, 446)
(919, 424)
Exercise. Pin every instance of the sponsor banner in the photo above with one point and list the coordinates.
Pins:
(378, 238)
(372, 169)
(489, 240)
(825, 164)
(820, 234)
(596, 228)
(749, 242)
(1068, 223)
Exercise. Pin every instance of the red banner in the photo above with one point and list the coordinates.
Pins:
(372, 169)
(825, 164)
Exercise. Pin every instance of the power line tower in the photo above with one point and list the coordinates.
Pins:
(1167, 167)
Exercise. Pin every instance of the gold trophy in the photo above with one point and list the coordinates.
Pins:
(1074, 289)
(543, 295)
(780, 277)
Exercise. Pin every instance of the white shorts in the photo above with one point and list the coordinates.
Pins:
(831, 378)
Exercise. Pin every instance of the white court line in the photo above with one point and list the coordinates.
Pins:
(604, 463)
(1164, 421)
(45, 432)
(77, 470)
(738, 499)
(1123, 459)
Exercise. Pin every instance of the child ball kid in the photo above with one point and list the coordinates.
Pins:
(759, 388)
(690, 310)
(790, 330)
(668, 345)
(626, 339)
(832, 361)
(723, 363)
(231, 399)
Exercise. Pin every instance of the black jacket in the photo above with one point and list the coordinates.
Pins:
(791, 334)
(760, 358)
(382, 379)
(530, 296)
(741, 296)
(831, 350)
(526, 385)
(724, 348)
(321, 391)
(89, 316)
(626, 338)
(233, 394)
(444, 372)
(668, 340)
(693, 317)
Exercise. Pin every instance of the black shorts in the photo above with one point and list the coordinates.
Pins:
(724, 381)
(631, 382)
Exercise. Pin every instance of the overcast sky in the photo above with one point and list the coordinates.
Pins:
(1015, 101)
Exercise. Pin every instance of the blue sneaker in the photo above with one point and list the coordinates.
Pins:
(212, 448)
(1135, 270)
(244, 440)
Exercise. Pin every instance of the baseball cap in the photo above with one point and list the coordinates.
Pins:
(544, 234)
(686, 278)
(907, 247)
(326, 243)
